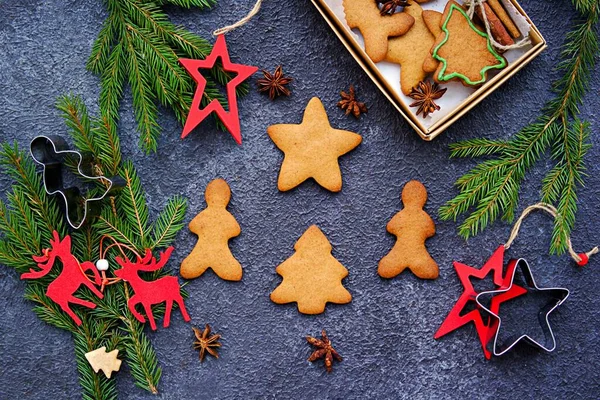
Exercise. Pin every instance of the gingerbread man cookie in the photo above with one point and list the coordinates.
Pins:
(214, 227)
(374, 27)
(412, 226)
(312, 277)
(433, 20)
(412, 50)
(312, 149)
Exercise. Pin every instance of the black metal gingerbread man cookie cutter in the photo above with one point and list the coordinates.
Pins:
(51, 152)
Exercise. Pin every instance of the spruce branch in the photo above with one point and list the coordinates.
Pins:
(47, 310)
(21, 168)
(29, 216)
(491, 189)
(141, 356)
(133, 204)
(169, 222)
(139, 45)
(91, 335)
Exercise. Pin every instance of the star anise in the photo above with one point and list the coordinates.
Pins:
(206, 342)
(424, 95)
(324, 350)
(274, 84)
(389, 7)
(351, 104)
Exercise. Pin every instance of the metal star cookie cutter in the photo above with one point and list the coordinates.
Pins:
(559, 295)
(49, 151)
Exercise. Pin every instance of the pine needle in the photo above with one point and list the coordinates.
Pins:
(491, 189)
(28, 218)
(139, 45)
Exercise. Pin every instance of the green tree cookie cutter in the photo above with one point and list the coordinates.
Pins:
(445, 78)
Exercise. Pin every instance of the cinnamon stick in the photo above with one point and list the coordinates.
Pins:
(497, 29)
(505, 18)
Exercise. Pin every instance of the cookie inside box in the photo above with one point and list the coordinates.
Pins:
(458, 98)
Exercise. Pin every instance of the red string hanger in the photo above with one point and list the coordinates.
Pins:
(102, 264)
(580, 258)
(230, 118)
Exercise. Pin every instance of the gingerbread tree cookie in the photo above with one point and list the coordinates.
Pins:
(312, 276)
(412, 226)
(412, 50)
(214, 227)
(465, 53)
(374, 27)
(312, 149)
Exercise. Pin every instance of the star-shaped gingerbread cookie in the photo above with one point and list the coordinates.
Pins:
(374, 27)
(312, 149)
(312, 277)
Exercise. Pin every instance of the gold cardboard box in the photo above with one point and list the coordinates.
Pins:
(538, 44)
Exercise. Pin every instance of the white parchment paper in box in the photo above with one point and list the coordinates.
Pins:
(457, 92)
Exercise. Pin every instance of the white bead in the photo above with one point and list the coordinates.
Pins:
(102, 264)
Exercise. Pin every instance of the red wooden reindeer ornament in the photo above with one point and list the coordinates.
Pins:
(72, 276)
(155, 292)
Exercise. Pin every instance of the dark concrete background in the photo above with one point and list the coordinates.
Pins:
(386, 333)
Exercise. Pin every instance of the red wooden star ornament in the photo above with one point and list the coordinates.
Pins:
(230, 119)
(459, 315)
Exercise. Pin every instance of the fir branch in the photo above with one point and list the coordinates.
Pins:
(25, 218)
(75, 115)
(169, 222)
(28, 219)
(47, 310)
(109, 147)
(85, 243)
(102, 45)
(139, 44)
(143, 98)
(133, 203)
(111, 91)
(11, 223)
(110, 225)
(21, 168)
(190, 3)
(570, 162)
(477, 148)
(492, 187)
(92, 334)
(140, 354)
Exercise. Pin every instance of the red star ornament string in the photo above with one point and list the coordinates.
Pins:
(197, 114)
